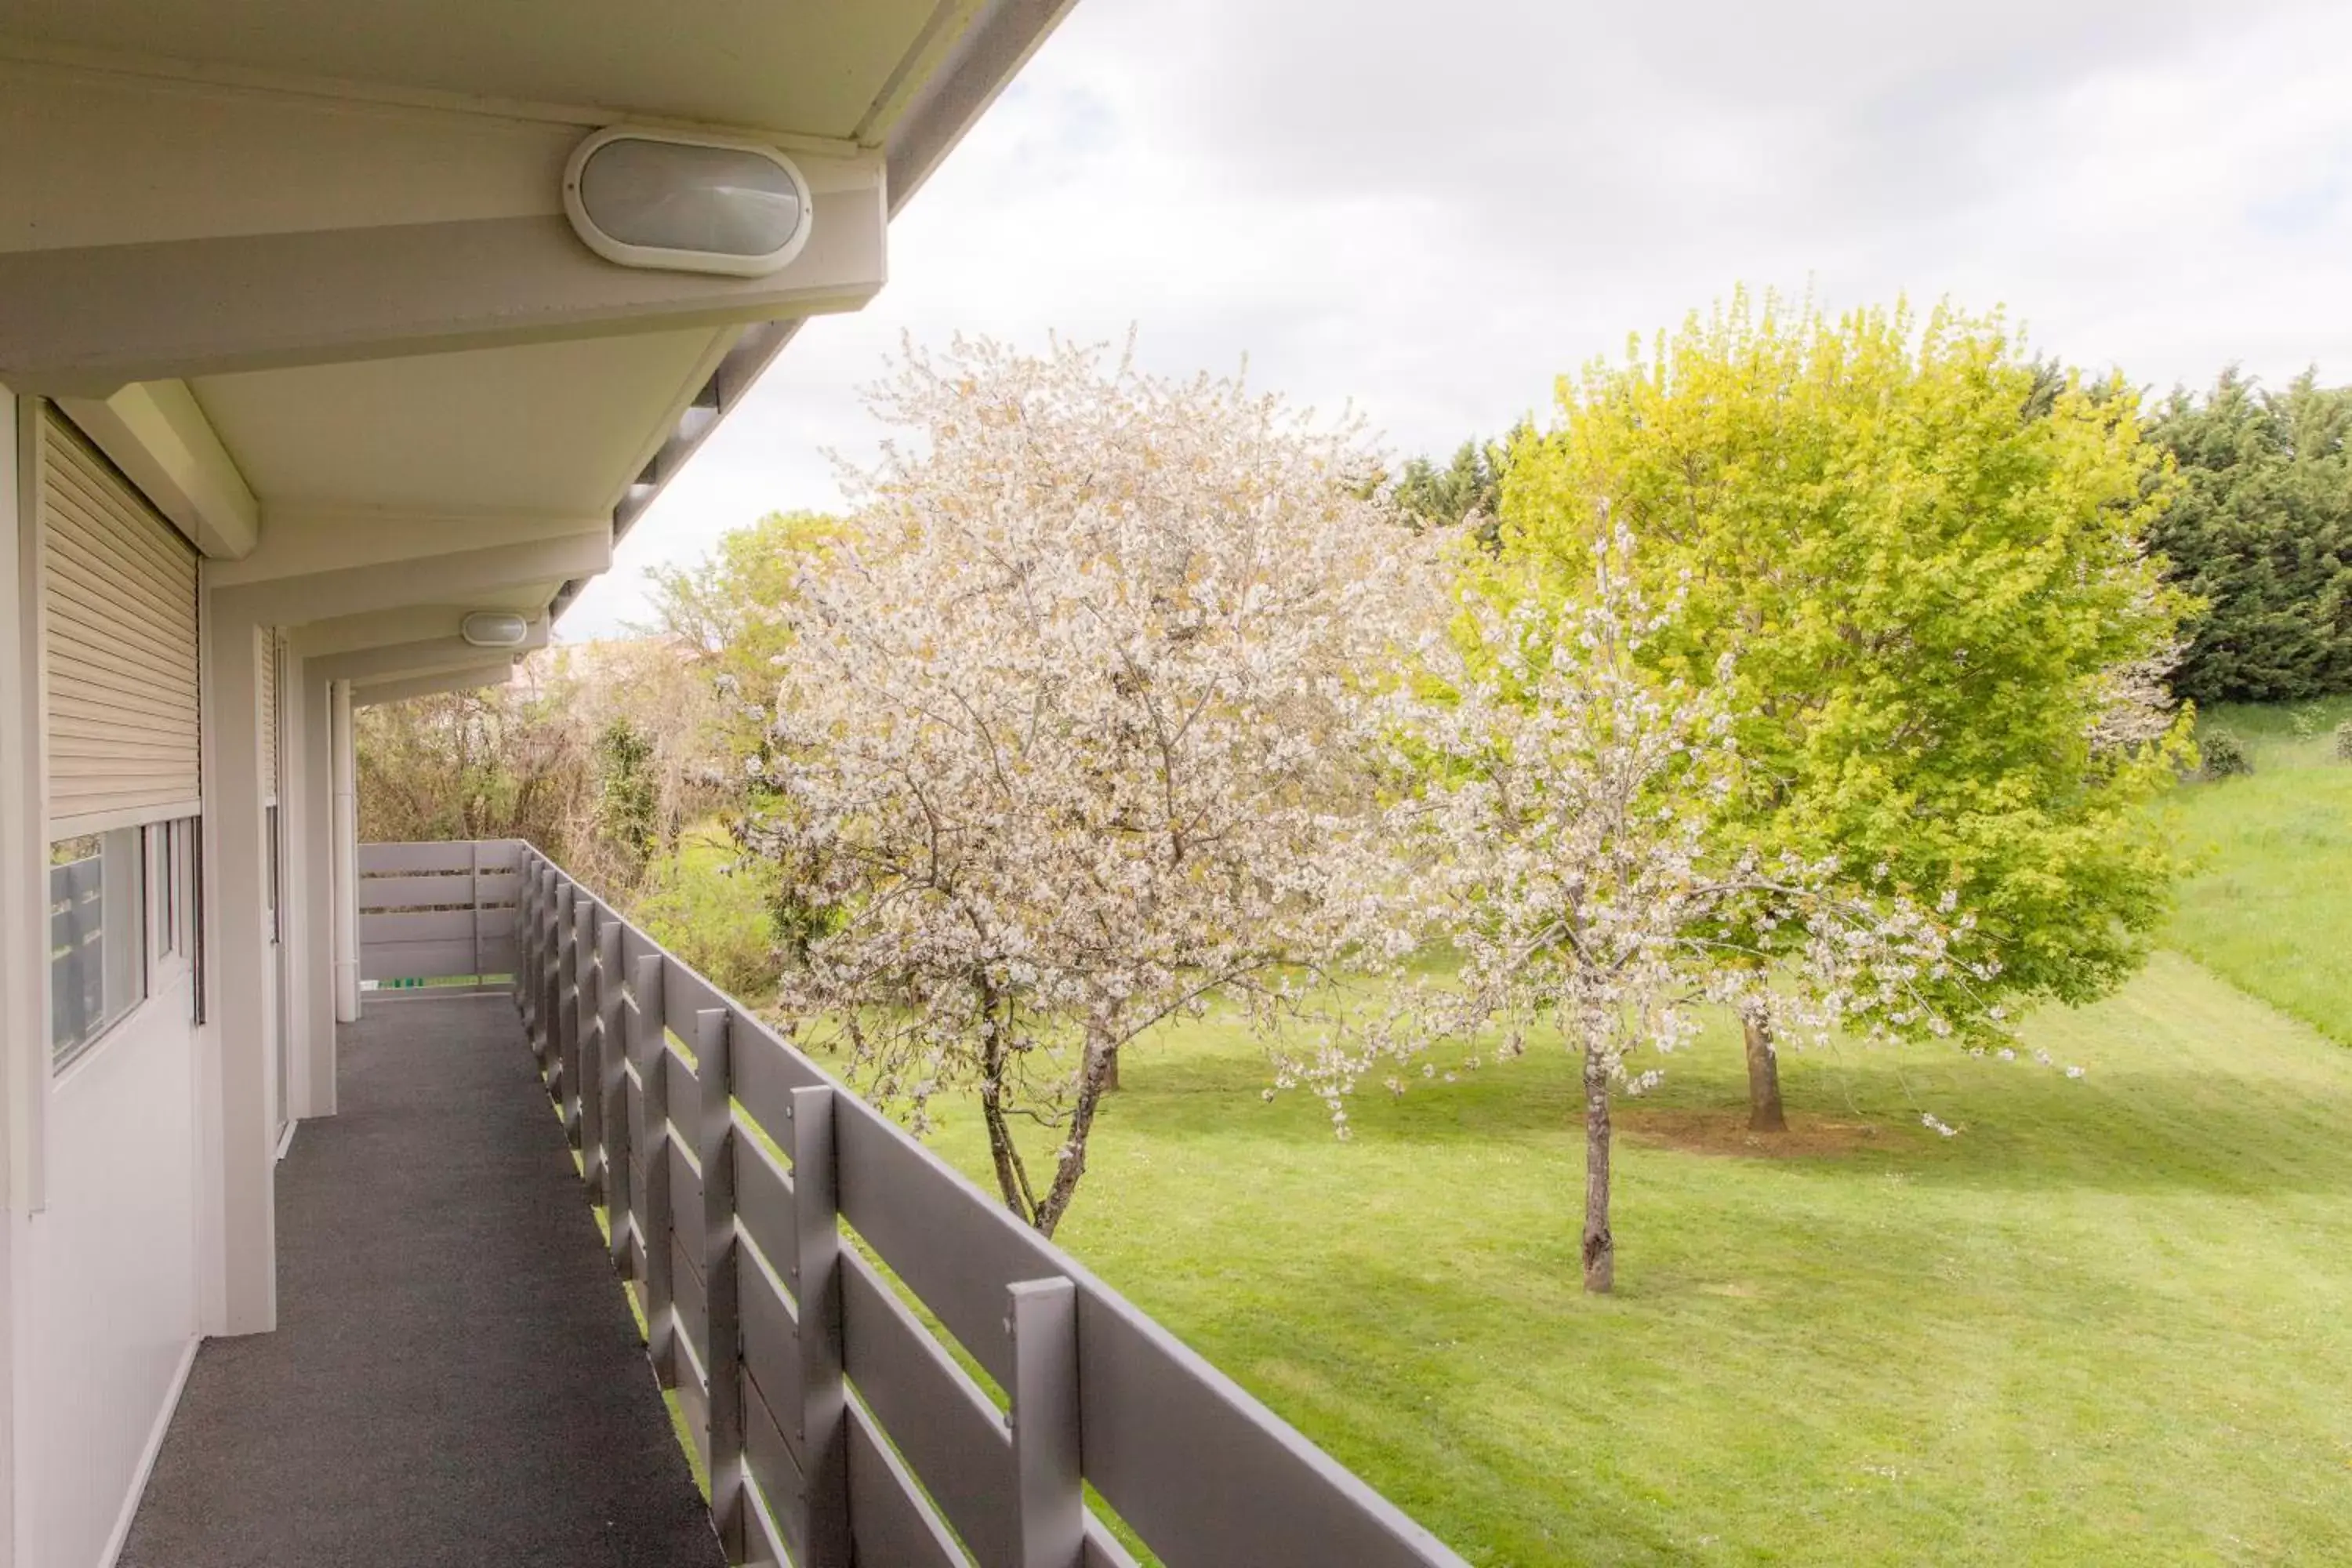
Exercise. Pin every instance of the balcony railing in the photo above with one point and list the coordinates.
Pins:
(807, 1273)
(437, 911)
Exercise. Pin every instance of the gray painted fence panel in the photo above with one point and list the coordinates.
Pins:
(436, 925)
(1201, 1471)
(764, 1201)
(950, 1432)
(693, 1404)
(1102, 1549)
(635, 945)
(684, 1183)
(1170, 1444)
(491, 890)
(435, 959)
(685, 1089)
(958, 1262)
(773, 1469)
(894, 1525)
(685, 993)
(494, 855)
(442, 912)
(772, 1352)
(767, 1070)
(686, 1292)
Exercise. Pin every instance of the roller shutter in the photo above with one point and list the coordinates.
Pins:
(269, 654)
(120, 602)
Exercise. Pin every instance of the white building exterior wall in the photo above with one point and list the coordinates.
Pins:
(24, 887)
(103, 1234)
(112, 1259)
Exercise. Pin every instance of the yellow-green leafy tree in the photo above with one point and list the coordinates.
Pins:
(1929, 565)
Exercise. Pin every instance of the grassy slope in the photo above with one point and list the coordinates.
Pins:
(2273, 910)
(2106, 1324)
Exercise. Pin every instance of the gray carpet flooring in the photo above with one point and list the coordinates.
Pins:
(456, 1379)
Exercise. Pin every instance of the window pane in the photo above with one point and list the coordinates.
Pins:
(98, 948)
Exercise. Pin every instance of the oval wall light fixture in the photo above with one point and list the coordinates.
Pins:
(681, 202)
(494, 628)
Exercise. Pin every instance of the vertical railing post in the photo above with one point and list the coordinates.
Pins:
(473, 897)
(647, 1047)
(526, 896)
(715, 1149)
(579, 943)
(1049, 1497)
(613, 1084)
(816, 1288)
(567, 1012)
(592, 978)
(551, 983)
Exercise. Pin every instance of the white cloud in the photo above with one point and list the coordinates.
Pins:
(1433, 211)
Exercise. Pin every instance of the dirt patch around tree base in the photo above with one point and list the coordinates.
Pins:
(1726, 1132)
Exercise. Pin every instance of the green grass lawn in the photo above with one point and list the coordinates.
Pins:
(2106, 1324)
(2272, 910)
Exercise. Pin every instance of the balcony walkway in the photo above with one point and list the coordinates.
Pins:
(456, 1381)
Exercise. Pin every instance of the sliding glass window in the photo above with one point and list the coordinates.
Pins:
(97, 935)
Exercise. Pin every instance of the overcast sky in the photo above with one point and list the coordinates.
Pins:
(1433, 210)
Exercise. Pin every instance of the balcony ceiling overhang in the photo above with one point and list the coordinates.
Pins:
(302, 267)
(814, 68)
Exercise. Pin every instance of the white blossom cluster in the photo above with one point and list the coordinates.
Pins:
(1064, 740)
(1564, 842)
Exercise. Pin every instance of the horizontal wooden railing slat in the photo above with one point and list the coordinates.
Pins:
(958, 1260)
(685, 1087)
(847, 1423)
(894, 1525)
(694, 1405)
(692, 1306)
(386, 859)
(947, 1429)
(418, 926)
(763, 1202)
(773, 1467)
(686, 995)
(767, 1070)
(770, 1348)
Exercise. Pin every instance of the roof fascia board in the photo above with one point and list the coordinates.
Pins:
(85, 321)
(304, 540)
(473, 677)
(351, 634)
(981, 62)
(730, 378)
(426, 657)
(359, 590)
(158, 436)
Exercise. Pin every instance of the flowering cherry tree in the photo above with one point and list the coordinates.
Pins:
(1563, 840)
(1060, 741)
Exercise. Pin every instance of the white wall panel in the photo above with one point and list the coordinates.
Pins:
(112, 1276)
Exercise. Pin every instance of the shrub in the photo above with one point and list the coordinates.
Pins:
(2224, 754)
(2344, 742)
(713, 911)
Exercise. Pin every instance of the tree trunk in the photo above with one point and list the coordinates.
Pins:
(1012, 1175)
(1094, 1075)
(1764, 1111)
(1110, 1078)
(1600, 1247)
